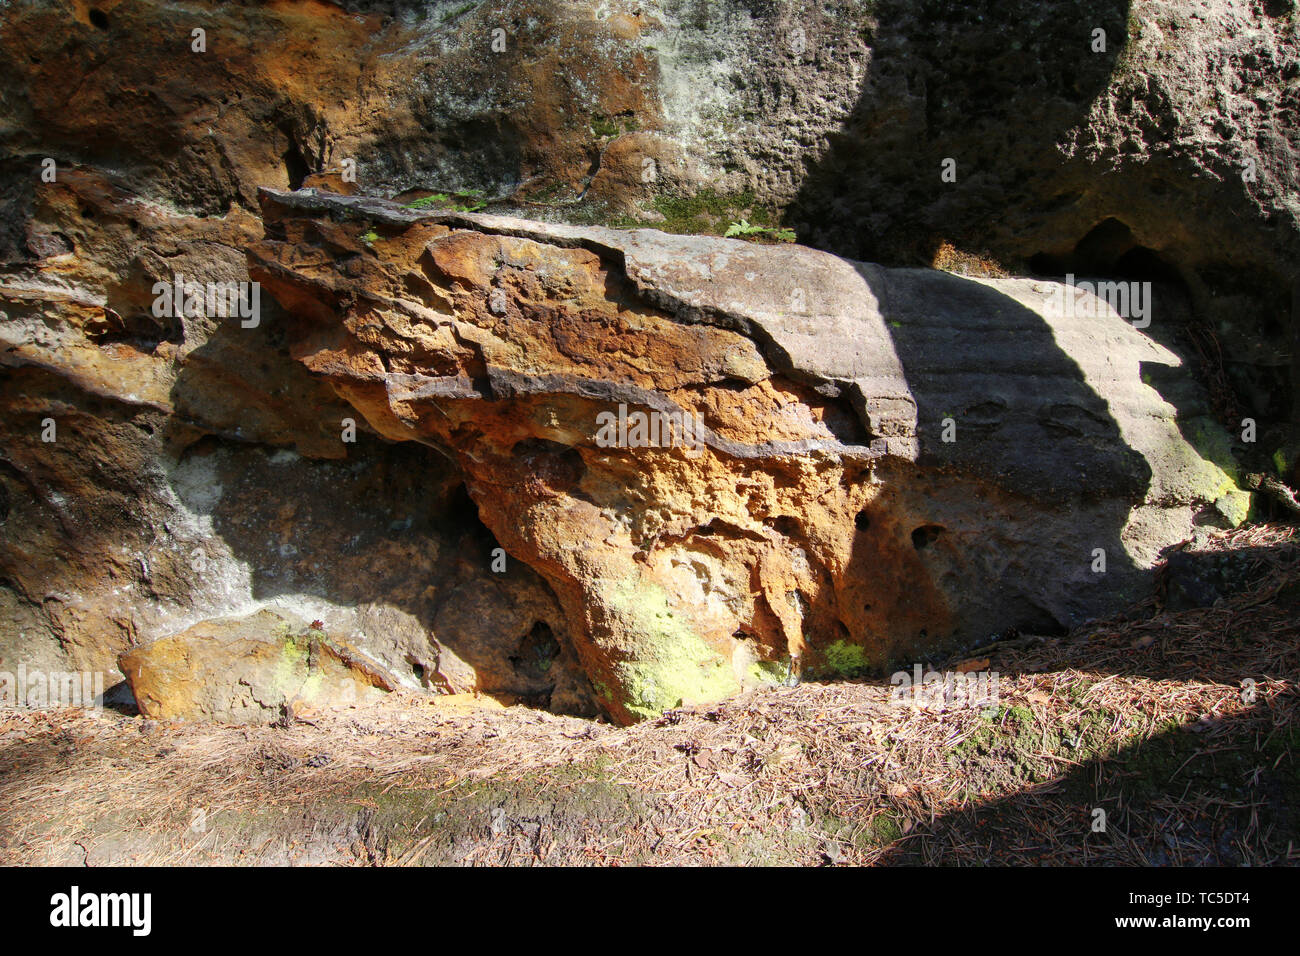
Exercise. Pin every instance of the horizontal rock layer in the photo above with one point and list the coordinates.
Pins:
(1168, 151)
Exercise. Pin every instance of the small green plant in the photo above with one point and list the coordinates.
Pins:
(607, 127)
(458, 12)
(745, 230)
(704, 213)
(426, 201)
(462, 200)
(846, 660)
(603, 127)
(370, 237)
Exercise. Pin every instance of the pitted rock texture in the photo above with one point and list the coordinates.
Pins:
(414, 93)
(824, 521)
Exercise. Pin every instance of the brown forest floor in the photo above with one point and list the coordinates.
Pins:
(1143, 717)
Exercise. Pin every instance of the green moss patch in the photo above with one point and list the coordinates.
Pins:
(843, 659)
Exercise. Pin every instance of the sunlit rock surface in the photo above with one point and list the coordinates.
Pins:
(820, 519)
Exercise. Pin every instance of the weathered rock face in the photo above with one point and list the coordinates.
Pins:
(415, 93)
(887, 461)
(1168, 152)
(198, 470)
(161, 471)
(1170, 155)
(248, 671)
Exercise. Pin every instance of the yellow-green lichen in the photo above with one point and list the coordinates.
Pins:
(672, 665)
(1204, 455)
(1234, 505)
(768, 672)
(1281, 463)
(292, 664)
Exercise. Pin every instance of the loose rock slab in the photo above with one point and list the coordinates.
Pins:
(247, 670)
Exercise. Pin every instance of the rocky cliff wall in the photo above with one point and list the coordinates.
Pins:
(198, 467)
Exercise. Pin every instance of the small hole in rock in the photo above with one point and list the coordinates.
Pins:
(787, 526)
(926, 535)
(537, 650)
(863, 521)
(99, 19)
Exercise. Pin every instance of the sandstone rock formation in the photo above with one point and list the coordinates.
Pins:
(1168, 151)
(161, 471)
(196, 468)
(888, 461)
(248, 670)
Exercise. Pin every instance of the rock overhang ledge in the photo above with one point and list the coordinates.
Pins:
(826, 387)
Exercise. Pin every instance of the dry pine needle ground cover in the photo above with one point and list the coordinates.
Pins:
(1144, 718)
